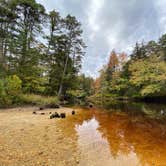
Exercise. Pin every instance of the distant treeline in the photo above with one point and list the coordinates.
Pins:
(40, 52)
(140, 76)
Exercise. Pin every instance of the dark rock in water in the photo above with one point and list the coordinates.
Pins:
(55, 115)
(34, 112)
(41, 108)
(51, 116)
(42, 113)
(73, 112)
(63, 115)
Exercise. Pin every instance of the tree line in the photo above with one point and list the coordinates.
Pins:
(139, 76)
(40, 52)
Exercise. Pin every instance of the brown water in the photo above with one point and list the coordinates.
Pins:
(126, 136)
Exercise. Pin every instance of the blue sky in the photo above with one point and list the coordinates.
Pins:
(112, 24)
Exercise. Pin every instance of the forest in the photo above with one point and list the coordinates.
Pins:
(41, 56)
(140, 76)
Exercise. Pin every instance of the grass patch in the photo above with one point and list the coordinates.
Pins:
(39, 100)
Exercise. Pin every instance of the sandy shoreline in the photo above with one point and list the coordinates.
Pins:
(28, 139)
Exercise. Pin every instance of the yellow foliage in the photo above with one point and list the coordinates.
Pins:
(149, 74)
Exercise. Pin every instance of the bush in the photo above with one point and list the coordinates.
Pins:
(11, 94)
(3, 96)
(13, 85)
(10, 89)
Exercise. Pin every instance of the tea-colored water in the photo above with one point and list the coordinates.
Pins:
(121, 137)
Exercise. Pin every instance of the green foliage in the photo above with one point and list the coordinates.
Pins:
(83, 89)
(102, 99)
(149, 75)
(10, 89)
(3, 96)
(76, 96)
(26, 64)
(13, 85)
(10, 92)
(143, 76)
(64, 54)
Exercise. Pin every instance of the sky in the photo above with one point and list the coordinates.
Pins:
(112, 24)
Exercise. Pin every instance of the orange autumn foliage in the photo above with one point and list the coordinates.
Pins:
(113, 60)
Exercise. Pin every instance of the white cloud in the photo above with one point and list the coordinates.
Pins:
(109, 24)
(94, 8)
(160, 5)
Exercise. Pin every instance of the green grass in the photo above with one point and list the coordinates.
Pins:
(39, 100)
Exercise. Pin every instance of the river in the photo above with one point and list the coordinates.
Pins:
(125, 135)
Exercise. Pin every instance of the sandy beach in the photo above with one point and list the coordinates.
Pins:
(28, 139)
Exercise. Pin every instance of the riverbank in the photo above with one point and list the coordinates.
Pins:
(107, 101)
(28, 139)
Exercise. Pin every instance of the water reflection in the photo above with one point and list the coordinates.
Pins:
(122, 137)
(95, 148)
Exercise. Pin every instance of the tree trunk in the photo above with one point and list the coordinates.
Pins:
(64, 71)
(1, 53)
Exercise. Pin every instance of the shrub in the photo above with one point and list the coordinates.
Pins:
(13, 85)
(3, 96)
(11, 94)
(10, 89)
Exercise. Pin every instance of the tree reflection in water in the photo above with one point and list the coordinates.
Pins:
(132, 135)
